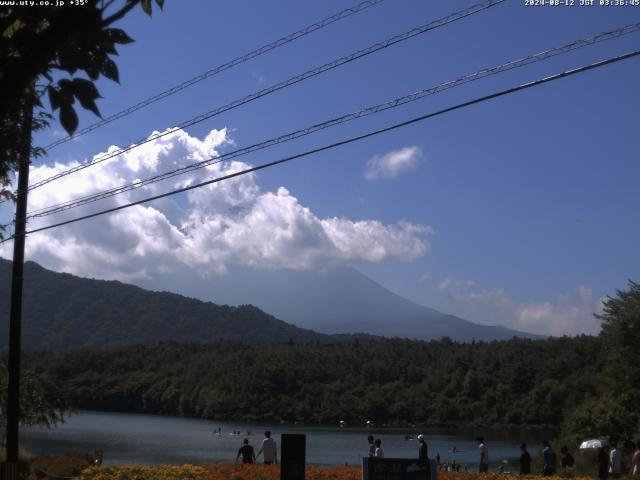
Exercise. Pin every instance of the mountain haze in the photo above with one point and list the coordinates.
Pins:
(62, 311)
(332, 300)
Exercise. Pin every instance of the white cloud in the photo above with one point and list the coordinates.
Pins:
(393, 163)
(566, 314)
(208, 229)
(445, 283)
(372, 241)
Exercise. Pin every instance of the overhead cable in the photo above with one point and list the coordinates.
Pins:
(347, 12)
(396, 102)
(284, 84)
(405, 123)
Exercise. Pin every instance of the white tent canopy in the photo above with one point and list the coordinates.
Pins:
(593, 444)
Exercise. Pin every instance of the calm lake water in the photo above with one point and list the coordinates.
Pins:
(152, 440)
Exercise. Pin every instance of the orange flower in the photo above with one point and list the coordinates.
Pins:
(261, 472)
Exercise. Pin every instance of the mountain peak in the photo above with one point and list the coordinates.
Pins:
(61, 310)
(332, 300)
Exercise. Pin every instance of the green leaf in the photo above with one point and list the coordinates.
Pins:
(160, 3)
(110, 70)
(146, 6)
(68, 118)
(85, 89)
(86, 93)
(90, 105)
(65, 84)
(117, 35)
(13, 28)
(93, 71)
(37, 152)
(69, 59)
(66, 91)
(107, 46)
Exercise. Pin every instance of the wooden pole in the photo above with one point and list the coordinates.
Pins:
(15, 322)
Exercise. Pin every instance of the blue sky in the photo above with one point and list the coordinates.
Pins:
(532, 198)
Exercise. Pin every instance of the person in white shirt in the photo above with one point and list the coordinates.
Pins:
(615, 461)
(635, 462)
(484, 456)
(379, 453)
(268, 449)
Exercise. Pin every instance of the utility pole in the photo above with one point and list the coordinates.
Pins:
(13, 395)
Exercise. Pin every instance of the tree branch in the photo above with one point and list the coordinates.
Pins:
(104, 5)
(120, 13)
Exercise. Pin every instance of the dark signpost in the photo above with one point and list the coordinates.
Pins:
(397, 469)
(293, 456)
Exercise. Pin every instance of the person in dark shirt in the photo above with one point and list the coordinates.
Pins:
(247, 452)
(549, 460)
(423, 451)
(566, 461)
(525, 460)
(603, 463)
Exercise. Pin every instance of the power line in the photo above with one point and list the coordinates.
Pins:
(347, 12)
(485, 98)
(396, 102)
(287, 83)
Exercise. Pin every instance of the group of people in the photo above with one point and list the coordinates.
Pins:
(548, 459)
(268, 449)
(609, 461)
(375, 447)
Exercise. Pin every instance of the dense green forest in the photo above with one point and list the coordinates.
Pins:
(519, 382)
(584, 385)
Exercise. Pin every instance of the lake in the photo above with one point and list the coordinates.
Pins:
(152, 440)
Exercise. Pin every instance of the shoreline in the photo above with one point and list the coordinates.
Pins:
(441, 428)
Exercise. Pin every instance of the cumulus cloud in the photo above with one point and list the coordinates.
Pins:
(392, 164)
(566, 314)
(208, 229)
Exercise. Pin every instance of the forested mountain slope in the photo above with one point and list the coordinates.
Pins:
(64, 311)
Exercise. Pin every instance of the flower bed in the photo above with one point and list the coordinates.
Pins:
(264, 472)
(213, 472)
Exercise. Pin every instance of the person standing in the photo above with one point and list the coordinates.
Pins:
(484, 456)
(247, 452)
(268, 449)
(635, 461)
(372, 447)
(525, 460)
(615, 461)
(566, 460)
(379, 453)
(423, 451)
(549, 460)
(603, 463)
